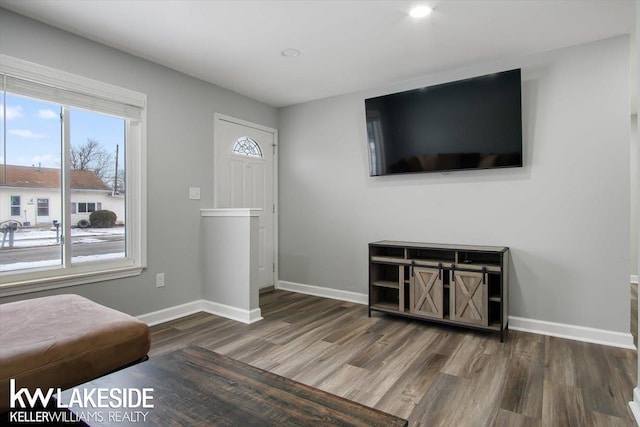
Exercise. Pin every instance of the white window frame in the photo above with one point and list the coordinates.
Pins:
(78, 91)
(86, 207)
(13, 206)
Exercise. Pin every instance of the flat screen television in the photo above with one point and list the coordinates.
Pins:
(468, 124)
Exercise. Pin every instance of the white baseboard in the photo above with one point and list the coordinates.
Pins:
(635, 404)
(182, 310)
(634, 278)
(233, 313)
(172, 313)
(572, 332)
(560, 330)
(323, 292)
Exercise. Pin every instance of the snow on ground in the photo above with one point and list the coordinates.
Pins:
(40, 237)
(56, 262)
(27, 238)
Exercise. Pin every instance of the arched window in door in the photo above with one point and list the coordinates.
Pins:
(245, 146)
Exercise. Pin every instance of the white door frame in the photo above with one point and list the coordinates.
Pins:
(46, 218)
(218, 117)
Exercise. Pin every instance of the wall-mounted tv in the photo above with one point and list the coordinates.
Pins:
(468, 124)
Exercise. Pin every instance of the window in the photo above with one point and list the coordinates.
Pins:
(86, 207)
(66, 137)
(246, 146)
(15, 206)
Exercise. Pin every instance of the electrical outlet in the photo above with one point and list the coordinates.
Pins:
(159, 280)
(194, 193)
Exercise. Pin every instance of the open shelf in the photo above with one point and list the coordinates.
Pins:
(388, 252)
(494, 282)
(485, 259)
(384, 272)
(386, 284)
(433, 255)
(385, 297)
(385, 306)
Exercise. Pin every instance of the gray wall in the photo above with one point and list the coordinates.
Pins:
(635, 190)
(636, 195)
(565, 214)
(180, 155)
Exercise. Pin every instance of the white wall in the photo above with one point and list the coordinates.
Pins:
(29, 196)
(28, 203)
(107, 201)
(180, 155)
(565, 214)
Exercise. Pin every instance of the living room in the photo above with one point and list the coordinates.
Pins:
(567, 214)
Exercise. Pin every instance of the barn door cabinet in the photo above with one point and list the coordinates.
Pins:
(453, 284)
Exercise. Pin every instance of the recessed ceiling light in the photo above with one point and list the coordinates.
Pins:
(290, 53)
(420, 11)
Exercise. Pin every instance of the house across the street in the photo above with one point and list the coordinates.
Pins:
(33, 195)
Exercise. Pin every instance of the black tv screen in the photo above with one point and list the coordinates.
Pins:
(468, 124)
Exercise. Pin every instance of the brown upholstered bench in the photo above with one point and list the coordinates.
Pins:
(65, 340)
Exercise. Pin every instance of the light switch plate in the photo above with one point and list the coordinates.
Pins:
(194, 193)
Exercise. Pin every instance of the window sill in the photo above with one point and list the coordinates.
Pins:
(37, 285)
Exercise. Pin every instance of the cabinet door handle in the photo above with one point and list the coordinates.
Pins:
(439, 271)
(453, 272)
(484, 275)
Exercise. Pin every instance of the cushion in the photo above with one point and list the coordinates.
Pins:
(64, 340)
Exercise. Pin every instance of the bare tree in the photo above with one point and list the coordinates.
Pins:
(93, 157)
(119, 181)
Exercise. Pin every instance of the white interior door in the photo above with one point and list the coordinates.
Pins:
(244, 157)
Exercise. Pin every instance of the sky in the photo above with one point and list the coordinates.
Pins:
(33, 132)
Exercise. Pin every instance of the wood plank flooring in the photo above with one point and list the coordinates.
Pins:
(429, 374)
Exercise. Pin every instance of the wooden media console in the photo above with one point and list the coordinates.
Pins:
(453, 284)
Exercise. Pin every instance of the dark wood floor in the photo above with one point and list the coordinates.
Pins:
(430, 375)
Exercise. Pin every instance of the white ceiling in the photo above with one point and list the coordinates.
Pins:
(346, 46)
